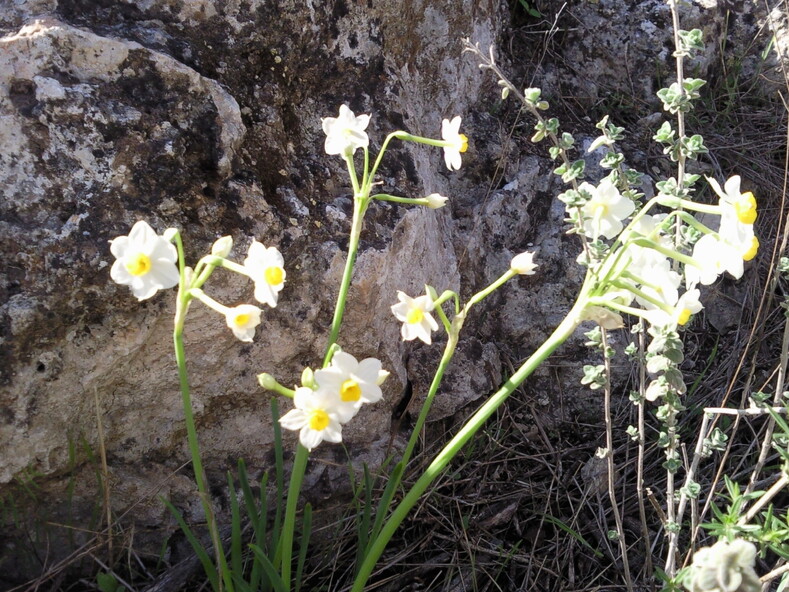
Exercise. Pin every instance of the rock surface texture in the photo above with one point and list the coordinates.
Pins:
(206, 115)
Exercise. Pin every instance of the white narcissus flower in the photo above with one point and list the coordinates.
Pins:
(604, 212)
(458, 143)
(686, 306)
(345, 134)
(354, 383)
(523, 263)
(264, 267)
(415, 315)
(242, 320)
(741, 206)
(716, 256)
(145, 261)
(435, 201)
(315, 417)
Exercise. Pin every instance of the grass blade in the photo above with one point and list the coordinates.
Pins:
(268, 567)
(208, 564)
(306, 531)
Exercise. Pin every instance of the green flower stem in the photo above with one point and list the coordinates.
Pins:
(359, 207)
(688, 219)
(352, 175)
(471, 427)
(268, 382)
(454, 335)
(208, 301)
(444, 320)
(289, 523)
(422, 140)
(366, 177)
(446, 295)
(197, 463)
(689, 204)
(449, 351)
(677, 256)
(191, 431)
(641, 294)
(482, 294)
(638, 312)
(420, 201)
(384, 146)
(232, 266)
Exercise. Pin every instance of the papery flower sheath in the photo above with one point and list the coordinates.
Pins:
(458, 143)
(315, 417)
(354, 383)
(415, 315)
(264, 266)
(345, 133)
(145, 261)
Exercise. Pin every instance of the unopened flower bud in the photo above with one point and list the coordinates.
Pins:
(435, 201)
(222, 246)
(523, 264)
(267, 381)
(308, 378)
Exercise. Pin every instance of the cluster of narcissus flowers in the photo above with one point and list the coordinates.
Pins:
(147, 262)
(641, 268)
(346, 133)
(415, 315)
(734, 242)
(339, 392)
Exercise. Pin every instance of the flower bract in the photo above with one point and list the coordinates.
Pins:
(145, 261)
(415, 315)
(458, 143)
(353, 383)
(242, 320)
(264, 266)
(315, 417)
(345, 133)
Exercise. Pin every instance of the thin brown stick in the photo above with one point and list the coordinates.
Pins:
(609, 443)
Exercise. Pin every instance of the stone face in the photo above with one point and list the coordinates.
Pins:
(205, 115)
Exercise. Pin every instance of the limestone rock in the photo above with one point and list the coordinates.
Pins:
(205, 115)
